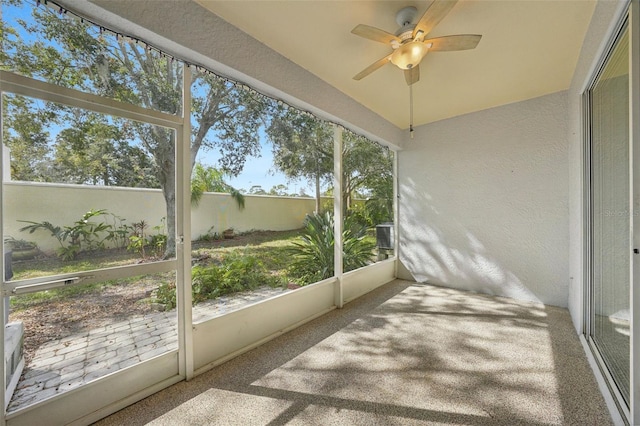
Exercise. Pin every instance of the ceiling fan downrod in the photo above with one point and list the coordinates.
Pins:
(411, 111)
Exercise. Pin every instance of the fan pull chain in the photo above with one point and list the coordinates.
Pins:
(411, 111)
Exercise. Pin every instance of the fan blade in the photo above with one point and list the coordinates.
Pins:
(434, 14)
(371, 68)
(412, 75)
(453, 42)
(375, 34)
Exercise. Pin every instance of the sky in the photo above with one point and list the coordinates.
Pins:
(257, 170)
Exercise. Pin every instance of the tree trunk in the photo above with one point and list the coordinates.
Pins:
(318, 200)
(169, 192)
(346, 194)
(165, 156)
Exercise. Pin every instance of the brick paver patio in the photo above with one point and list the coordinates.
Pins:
(65, 364)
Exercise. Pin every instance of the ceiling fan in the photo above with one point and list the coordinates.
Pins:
(410, 44)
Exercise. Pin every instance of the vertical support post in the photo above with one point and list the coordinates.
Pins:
(396, 213)
(337, 214)
(585, 285)
(3, 369)
(183, 252)
(634, 135)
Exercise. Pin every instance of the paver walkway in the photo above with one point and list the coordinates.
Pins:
(65, 364)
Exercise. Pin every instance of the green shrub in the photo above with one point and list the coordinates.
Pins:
(139, 240)
(210, 236)
(158, 243)
(14, 244)
(235, 273)
(313, 257)
(166, 294)
(85, 234)
(206, 283)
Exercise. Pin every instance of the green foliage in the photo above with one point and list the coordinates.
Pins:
(209, 179)
(303, 149)
(257, 190)
(209, 236)
(84, 235)
(236, 272)
(314, 256)
(358, 214)
(15, 244)
(302, 146)
(139, 241)
(118, 231)
(367, 173)
(28, 138)
(166, 294)
(279, 190)
(74, 53)
(158, 243)
(357, 248)
(94, 151)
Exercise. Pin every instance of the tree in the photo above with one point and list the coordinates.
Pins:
(25, 132)
(94, 151)
(367, 171)
(209, 179)
(257, 190)
(72, 53)
(279, 190)
(302, 146)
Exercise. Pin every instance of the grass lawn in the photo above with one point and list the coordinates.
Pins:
(269, 247)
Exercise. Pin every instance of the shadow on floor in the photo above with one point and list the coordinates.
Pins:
(406, 353)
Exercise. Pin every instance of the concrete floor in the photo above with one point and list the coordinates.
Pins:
(404, 354)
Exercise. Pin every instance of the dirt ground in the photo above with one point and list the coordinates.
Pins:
(52, 321)
(48, 321)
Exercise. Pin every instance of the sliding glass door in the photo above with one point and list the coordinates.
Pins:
(610, 254)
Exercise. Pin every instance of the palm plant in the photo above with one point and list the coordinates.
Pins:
(313, 257)
(209, 179)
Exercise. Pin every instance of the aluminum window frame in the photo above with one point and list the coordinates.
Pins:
(11, 83)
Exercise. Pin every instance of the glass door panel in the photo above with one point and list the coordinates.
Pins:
(610, 215)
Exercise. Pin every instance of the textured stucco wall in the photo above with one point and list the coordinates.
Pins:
(604, 18)
(64, 204)
(483, 201)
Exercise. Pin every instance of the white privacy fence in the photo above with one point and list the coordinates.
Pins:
(62, 205)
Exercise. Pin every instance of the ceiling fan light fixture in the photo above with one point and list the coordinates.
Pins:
(409, 54)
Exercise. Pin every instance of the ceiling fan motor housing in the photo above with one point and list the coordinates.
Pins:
(406, 15)
(405, 18)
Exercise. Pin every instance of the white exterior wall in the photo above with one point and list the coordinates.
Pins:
(64, 204)
(604, 19)
(261, 212)
(484, 202)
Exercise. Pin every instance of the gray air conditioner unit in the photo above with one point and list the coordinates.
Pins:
(384, 236)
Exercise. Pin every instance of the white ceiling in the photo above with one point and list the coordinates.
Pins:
(528, 49)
